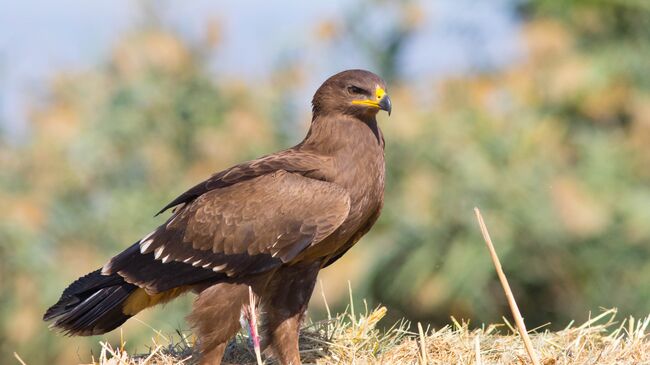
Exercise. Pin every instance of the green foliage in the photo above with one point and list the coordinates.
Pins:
(107, 151)
(555, 152)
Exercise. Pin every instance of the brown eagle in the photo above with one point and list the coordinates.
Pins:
(270, 224)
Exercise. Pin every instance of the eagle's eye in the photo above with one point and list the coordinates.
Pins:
(357, 90)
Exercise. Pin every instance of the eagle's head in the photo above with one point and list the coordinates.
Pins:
(358, 93)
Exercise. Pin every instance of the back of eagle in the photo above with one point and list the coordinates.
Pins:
(250, 219)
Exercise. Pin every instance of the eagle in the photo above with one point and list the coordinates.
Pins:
(269, 224)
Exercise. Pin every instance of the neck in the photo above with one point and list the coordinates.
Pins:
(329, 134)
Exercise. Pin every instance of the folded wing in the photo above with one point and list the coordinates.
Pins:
(242, 229)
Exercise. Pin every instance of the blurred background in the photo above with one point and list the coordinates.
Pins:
(537, 111)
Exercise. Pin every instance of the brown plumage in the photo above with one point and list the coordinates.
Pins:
(270, 223)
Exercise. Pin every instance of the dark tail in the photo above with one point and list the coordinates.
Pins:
(92, 305)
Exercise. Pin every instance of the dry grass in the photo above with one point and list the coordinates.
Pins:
(354, 339)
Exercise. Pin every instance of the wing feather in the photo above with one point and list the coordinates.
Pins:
(289, 160)
(237, 230)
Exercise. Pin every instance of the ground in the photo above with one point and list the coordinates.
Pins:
(356, 339)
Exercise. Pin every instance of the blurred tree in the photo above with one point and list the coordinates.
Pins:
(554, 150)
(150, 119)
(380, 30)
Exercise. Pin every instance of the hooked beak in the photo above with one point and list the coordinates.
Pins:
(385, 104)
(380, 101)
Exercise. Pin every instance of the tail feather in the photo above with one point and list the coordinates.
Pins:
(92, 305)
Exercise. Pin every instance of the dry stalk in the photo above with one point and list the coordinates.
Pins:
(477, 349)
(250, 315)
(19, 359)
(423, 345)
(519, 321)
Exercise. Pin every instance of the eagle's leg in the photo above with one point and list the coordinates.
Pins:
(215, 318)
(285, 303)
(213, 356)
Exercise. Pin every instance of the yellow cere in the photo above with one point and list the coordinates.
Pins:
(380, 92)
